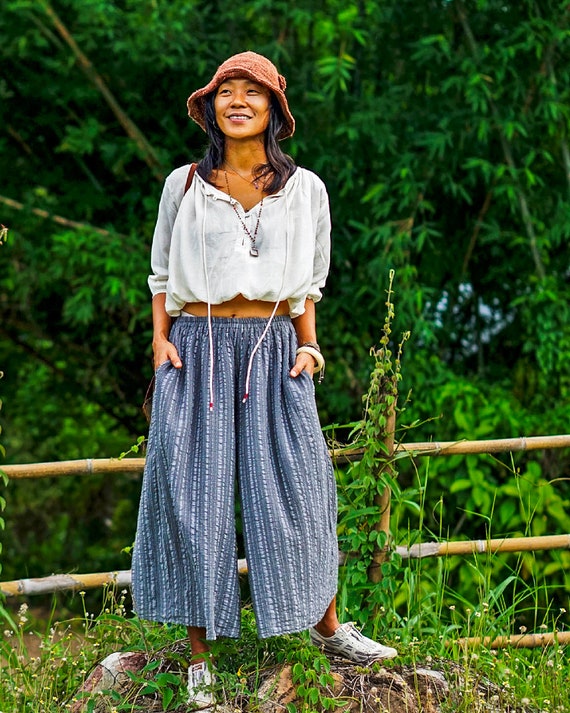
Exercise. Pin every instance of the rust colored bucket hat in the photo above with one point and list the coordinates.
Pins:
(252, 66)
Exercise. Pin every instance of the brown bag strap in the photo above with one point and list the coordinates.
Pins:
(191, 173)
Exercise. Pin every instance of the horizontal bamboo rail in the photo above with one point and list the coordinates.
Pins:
(518, 641)
(122, 578)
(64, 582)
(61, 582)
(90, 466)
(74, 582)
(87, 466)
(468, 547)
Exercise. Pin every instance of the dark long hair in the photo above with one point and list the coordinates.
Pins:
(273, 174)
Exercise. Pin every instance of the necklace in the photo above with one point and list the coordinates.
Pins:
(252, 182)
(253, 250)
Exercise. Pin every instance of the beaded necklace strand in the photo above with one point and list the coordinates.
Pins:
(252, 182)
(253, 249)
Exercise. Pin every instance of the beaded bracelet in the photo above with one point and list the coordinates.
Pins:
(313, 349)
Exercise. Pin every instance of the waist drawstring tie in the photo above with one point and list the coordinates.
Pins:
(269, 321)
(258, 344)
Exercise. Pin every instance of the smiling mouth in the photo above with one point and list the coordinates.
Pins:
(239, 117)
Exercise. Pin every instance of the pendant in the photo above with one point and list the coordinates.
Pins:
(253, 251)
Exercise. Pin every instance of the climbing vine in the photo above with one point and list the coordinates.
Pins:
(369, 574)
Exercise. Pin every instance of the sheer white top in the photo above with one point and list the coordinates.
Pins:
(201, 252)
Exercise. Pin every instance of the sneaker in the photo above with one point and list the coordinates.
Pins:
(200, 682)
(349, 642)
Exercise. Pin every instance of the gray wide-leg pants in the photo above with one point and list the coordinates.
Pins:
(184, 559)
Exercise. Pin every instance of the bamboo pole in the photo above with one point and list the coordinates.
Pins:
(89, 466)
(470, 547)
(382, 501)
(45, 585)
(497, 445)
(518, 641)
(63, 582)
(60, 220)
(74, 582)
(148, 153)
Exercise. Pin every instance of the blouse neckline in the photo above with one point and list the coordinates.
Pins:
(217, 194)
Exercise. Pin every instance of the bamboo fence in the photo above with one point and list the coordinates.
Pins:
(91, 466)
(135, 466)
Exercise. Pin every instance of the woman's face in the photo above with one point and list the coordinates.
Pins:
(242, 108)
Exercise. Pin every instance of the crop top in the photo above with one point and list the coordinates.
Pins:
(201, 252)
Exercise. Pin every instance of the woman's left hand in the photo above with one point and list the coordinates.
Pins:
(304, 362)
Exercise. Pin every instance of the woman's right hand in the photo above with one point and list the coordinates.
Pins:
(165, 351)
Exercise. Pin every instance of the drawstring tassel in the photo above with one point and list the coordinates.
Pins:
(250, 364)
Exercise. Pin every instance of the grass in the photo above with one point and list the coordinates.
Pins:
(46, 681)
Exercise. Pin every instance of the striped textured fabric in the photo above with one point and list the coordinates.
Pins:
(272, 447)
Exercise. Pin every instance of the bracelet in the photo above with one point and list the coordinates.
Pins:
(311, 344)
(313, 349)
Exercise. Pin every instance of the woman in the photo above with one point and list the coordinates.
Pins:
(239, 260)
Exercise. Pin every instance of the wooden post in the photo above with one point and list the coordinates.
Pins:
(382, 500)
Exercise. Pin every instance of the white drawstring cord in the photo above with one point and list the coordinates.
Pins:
(250, 363)
(211, 341)
(210, 335)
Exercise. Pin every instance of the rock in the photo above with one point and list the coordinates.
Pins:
(357, 688)
(372, 689)
(109, 674)
(398, 689)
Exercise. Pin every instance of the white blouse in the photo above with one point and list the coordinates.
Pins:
(201, 252)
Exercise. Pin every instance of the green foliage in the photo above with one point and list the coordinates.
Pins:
(364, 483)
(446, 158)
(436, 145)
(415, 598)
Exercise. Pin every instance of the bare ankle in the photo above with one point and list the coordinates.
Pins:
(326, 628)
(198, 645)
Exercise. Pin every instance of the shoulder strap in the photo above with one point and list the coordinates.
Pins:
(191, 173)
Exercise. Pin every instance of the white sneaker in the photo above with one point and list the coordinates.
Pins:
(200, 682)
(349, 642)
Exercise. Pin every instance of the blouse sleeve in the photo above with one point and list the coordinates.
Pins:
(321, 260)
(167, 210)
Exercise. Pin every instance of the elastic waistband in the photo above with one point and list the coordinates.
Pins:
(259, 324)
(281, 318)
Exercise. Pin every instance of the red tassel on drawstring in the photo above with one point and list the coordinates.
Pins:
(245, 397)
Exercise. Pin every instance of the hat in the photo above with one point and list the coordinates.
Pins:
(252, 66)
